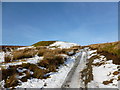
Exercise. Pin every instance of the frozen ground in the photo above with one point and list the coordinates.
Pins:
(63, 44)
(56, 78)
(69, 74)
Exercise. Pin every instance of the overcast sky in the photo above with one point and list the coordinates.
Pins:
(82, 23)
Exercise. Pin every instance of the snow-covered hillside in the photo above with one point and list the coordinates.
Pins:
(54, 65)
(61, 44)
(99, 72)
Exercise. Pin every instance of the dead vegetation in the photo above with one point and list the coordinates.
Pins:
(26, 53)
(11, 74)
(52, 59)
(110, 50)
(116, 73)
(11, 81)
(8, 58)
(20, 54)
(86, 74)
(40, 51)
(108, 82)
(43, 43)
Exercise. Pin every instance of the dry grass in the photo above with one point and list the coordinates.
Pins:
(12, 81)
(10, 75)
(119, 78)
(108, 82)
(7, 58)
(28, 76)
(43, 43)
(110, 50)
(52, 59)
(26, 53)
(87, 72)
(116, 73)
(8, 72)
(38, 72)
(20, 54)
(41, 47)
(39, 50)
(51, 63)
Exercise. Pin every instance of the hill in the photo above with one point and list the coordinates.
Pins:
(110, 50)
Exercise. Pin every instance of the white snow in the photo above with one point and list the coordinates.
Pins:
(32, 60)
(2, 83)
(2, 57)
(56, 78)
(102, 73)
(63, 44)
(25, 47)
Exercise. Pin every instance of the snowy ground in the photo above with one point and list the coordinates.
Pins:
(33, 60)
(73, 79)
(100, 73)
(2, 57)
(103, 72)
(60, 44)
(56, 78)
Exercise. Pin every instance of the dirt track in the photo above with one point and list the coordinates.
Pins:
(73, 79)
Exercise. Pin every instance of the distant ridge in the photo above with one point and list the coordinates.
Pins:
(43, 43)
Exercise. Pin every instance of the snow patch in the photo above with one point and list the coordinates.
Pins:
(25, 47)
(63, 44)
(2, 54)
(56, 78)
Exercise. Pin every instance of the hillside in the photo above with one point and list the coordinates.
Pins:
(43, 43)
(57, 64)
(110, 50)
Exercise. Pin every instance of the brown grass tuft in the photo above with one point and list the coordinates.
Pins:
(116, 73)
(8, 58)
(25, 53)
(12, 81)
(108, 82)
(110, 50)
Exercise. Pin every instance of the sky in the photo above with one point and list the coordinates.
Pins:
(25, 23)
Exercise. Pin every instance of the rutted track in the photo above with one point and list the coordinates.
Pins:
(73, 79)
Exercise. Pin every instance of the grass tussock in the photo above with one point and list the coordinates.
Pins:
(12, 81)
(20, 54)
(41, 47)
(41, 52)
(37, 72)
(8, 72)
(11, 74)
(51, 62)
(110, 50)
(108, 82)
(43, 43)
(116, 73)
(52, 59)
(8, 58)
(26, 53)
